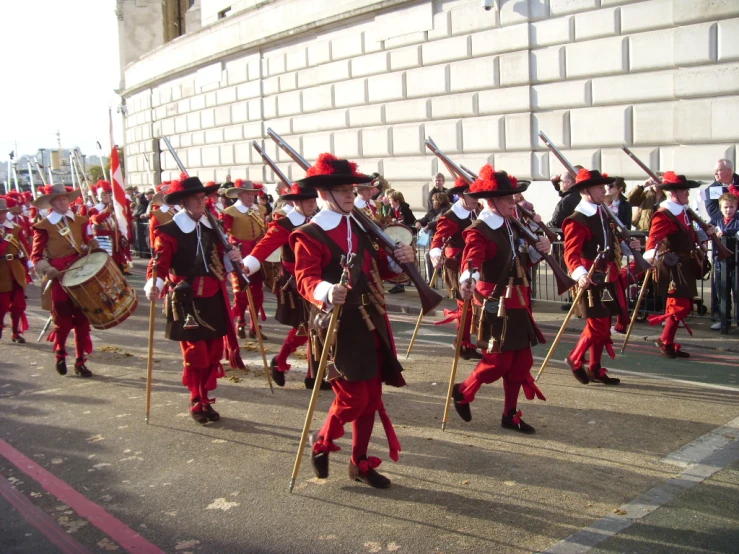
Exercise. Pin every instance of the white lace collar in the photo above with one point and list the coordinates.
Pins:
(186, 223)
(459, 209)
(327, 219)
(10, 216)
(55, 217)
(295, 217)
(239, 205)
(8, 224)
(586, 208)
(675, 208)
(287, 208)
(361, 203)
(100, 206)
(491, 219)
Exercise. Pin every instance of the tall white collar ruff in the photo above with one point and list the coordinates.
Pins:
(491, 219)
(186, 223)
(55, 217)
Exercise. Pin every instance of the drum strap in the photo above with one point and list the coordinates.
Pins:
(68, 236)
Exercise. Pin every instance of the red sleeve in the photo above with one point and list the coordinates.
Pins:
(99, 217)
(277, 236)
(733, 189)
(40, 238)
(445, 228)
(662, 226)
(3, 247)
(228, 222)
(310, 259)
(576, 235)
(166, 247)
(24, 241)
(477, 249)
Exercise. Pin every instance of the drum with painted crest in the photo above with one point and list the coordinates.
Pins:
(402, 234)
(98, 288)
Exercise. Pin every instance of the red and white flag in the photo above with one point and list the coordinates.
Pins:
(120, 204)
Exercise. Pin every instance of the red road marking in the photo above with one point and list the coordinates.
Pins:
(129, 539)
(41, 521)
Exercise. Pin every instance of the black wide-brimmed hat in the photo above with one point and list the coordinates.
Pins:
(329, 171)
(460, 186)
(495, 184)
(187, 187)
(299, 191)
(589, 178)
(672, 181)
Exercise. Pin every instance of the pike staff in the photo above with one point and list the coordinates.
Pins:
(150, 355)
(333, 327)
(647, 278)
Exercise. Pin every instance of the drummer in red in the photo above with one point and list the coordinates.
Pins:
(191, 262)
(364, 357)
(14, 262)
(105, 224)
(449, 231)
(60, 240)
(292, 309)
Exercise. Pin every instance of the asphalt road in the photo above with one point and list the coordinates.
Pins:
(77, 454)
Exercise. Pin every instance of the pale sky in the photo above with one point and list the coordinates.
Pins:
(60, 67)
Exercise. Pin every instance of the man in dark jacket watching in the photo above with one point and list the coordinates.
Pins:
(726, 181)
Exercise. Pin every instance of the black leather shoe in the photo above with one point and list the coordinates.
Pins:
(199, 417)
(596, 377)
(81, 369)
(508, 421)
(463, 409)
(253, 335)
(371, 478)
(318, 461)
(580, 373)
(470, 353)
(61, 366)
(211, 414)
(241, 332)
(680, 354)
(277, 376)
(668, 350)
(19, 339)
(397, 289)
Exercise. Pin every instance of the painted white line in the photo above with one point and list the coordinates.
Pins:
(702, 458)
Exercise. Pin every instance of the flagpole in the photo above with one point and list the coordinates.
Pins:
(15, 178)
(30, 177)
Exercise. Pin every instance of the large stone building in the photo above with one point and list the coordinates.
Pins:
(370, 79)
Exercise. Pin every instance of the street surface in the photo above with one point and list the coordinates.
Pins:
(81, 471)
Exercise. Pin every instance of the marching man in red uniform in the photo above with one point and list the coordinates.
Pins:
(452, 225)
(61, 239)
(14, 262)
(364, 352)
(673, 247)
(105, 225)
(588, 232)
(245, 226)
(493, 252)
(191, 259)
(292, 309)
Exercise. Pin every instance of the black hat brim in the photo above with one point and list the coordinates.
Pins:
(679, 186)
(521, 187)
(176, 197)
(333, 180)
(577, 187)
(457, 190)
(301, 196)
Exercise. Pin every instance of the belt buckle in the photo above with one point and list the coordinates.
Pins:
(365, 299)
(9, 257)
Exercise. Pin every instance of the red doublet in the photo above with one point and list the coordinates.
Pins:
(514, 366)
(67, 315)
(277, 237)
(356, 402)
(14, 299)
(596, 336)
(676, 308)
(256, 282)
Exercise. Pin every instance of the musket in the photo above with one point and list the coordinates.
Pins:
(428, 296)
(457, 350)
(238, 270)
(273, 166)
(421, 314)
(721, 250)
(575, 302)
(40, 173)
(46, 326)
(619, 227)
(453, 168)
(333, 328)
(150, 354)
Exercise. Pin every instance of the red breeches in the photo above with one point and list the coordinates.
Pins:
(14, 302)
(241, 302)
(514, 366)
(595, 337)
(676, 310)
(202, 366)
(67, 317)
(291, 344)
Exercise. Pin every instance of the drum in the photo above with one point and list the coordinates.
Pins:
(402, 234)
(98, 288)
(106, 244)
(272, 268)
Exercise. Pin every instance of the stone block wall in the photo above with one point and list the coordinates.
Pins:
(661, 76)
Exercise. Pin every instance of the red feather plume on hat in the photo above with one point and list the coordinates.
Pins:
(175, 186)
(105, 186)
(583, 175)
(11, 201)
(671, 178)
(460, 182)
(325, 165)
(27, 196)
(486, 180)
(183, 176)
(14, 194)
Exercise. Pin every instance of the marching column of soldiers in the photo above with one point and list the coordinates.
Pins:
(331, 261)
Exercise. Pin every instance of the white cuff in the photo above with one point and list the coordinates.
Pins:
(650, 254)
(579, 272)
(29, 264)
(251, 264)
(466, 275)
(322, 291)
(150, 285)
(534, 255)
(435, 253)
(394, 267)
